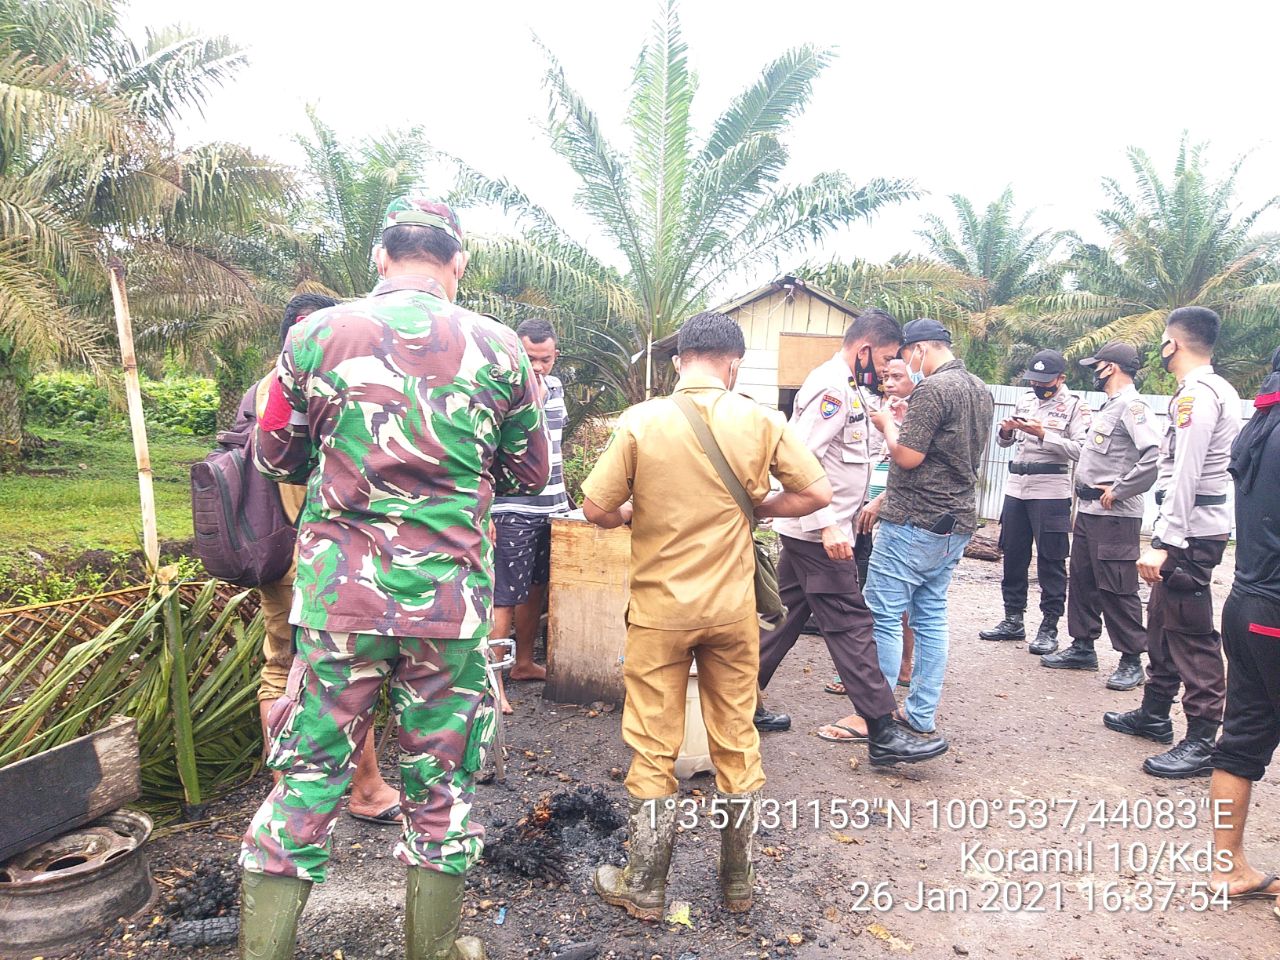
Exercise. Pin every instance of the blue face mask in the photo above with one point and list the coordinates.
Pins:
(916, 375)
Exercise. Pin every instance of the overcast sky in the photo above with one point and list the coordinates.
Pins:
(964, 98)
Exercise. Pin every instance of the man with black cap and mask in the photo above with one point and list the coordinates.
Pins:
(1117, 466)
(1189, 537)
(929, 513)
(1046, 430)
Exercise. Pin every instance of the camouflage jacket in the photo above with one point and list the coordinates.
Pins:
(404, 414)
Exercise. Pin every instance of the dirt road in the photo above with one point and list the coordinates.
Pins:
(1049, 841)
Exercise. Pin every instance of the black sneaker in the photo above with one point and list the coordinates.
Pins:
(1190, 758)
(891, 744)
(1139, 723)
(767, 722)
(1046, 640)
(1078, 656)
(1010, 628)
(1128, 675)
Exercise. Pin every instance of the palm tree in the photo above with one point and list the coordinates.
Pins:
(683, 216)
(88, 165)
(347, 189)
(1008, 261)
(1172, 244)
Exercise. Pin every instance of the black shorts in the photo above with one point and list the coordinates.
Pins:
(522, 557)
(1251, 725)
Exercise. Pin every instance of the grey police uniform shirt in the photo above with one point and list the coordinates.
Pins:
(1066, 425)
(1204, 421)
(831, 418)
(1122, 451)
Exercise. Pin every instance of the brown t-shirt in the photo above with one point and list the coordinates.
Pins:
(692, 563)
(949, 421)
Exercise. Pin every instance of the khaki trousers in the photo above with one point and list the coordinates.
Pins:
(656, 672)
(276, 600)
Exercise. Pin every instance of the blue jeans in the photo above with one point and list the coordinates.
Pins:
(909, 572)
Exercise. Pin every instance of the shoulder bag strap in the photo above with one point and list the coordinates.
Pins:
(716, 456)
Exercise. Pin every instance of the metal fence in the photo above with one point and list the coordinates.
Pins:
(995, 463)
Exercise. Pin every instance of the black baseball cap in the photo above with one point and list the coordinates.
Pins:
(924, 329)
(1045, 366)
(1121, 354)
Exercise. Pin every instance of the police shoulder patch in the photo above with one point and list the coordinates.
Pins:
(1183, 410)
(1139, 411)
(829, 406)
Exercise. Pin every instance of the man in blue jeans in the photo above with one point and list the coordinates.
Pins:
(929, 512)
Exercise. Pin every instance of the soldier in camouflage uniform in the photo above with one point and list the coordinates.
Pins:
(405, 415)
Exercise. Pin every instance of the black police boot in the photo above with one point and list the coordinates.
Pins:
(1129, 674)
(1010, 628)
(1151, 720)
(888, 743)
(1046, 640)
(1079, 656)
(767, 722)
(1191, 757)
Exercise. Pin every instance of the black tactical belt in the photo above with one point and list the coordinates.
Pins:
(1088, 493)
(1202, 499)
(1025, 469)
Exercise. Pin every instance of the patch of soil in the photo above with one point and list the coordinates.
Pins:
(826, 888)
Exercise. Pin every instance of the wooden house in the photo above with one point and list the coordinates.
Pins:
(790, 327)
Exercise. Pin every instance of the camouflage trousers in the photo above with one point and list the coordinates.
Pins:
(441, 697)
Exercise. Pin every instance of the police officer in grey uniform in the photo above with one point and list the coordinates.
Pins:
(1046, 430)
(816, 569)
(1117, 466)
(1190, 536)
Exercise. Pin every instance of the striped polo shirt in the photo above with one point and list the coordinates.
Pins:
(554, 498)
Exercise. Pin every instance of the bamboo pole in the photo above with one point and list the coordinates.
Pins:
(137, 425)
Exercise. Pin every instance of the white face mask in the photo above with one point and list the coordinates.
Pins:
(916, 375)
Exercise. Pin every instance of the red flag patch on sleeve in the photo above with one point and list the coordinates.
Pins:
(278, 410)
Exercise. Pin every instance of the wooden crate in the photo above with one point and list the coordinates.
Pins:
(586, 628)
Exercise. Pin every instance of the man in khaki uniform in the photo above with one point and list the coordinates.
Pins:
(1190, 535)
(693, 598)
(372, 798)
(1046, 430)
(1117, 466)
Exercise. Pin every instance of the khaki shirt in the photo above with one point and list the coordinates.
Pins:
(830, 418)
(1122, 448)
(1066, 424)
(292, 495)
(692, 562)
(1204, 420)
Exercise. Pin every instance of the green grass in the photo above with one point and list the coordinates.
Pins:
(81, 492)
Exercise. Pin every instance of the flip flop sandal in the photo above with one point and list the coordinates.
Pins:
(1258, 892)
(835, 686)
(386, 818)
(855, 737)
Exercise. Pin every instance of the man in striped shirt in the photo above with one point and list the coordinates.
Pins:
(523, 546)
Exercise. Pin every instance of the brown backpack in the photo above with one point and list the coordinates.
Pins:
(242, 533)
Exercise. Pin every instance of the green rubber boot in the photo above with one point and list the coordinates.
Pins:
(640, 887)
(432, 914)
(737, 837)
(269, 910)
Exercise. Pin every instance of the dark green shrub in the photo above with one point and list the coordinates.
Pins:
(64, 397)
(181, 404)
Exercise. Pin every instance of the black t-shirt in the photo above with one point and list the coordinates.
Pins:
(1258, 527)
